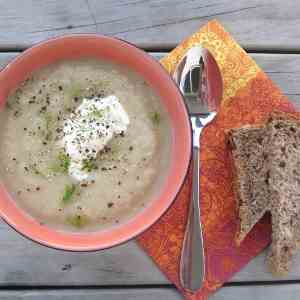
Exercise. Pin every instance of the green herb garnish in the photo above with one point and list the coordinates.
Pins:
(48, 126)
(77, 220)
(35, 170)
(89, 165)
(46, 132)
(97, 113)
(63, 163)
(70, 190)
(114, 149)
(75, 91)
(155, 117)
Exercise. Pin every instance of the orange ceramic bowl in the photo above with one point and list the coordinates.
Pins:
(120, 52)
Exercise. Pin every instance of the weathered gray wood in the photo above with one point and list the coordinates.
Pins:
(25, 22)
(278, 292)
(256, 24)
(26, 263)
(109, 294)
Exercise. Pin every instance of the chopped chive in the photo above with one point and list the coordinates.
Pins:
(77, 220)
(155, 117)
(97, 113)
(69, 192)
(75, 91)
(62, 165)
(89, 165)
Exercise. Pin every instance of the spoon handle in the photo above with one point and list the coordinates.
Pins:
(192, 264)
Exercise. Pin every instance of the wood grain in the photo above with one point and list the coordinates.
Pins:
(256, 24)
(287, 292)
(24, 263)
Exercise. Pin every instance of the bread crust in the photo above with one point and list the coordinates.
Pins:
(278, 263)
(280, 115)
(237, 169)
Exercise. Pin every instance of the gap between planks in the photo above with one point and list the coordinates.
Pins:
(164, 49)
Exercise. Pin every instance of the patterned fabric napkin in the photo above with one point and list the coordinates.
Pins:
(248, 97)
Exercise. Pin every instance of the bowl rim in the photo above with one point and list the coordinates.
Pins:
(138, 229)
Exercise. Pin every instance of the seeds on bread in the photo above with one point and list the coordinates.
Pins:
(284, 185)
(247, 148)
(267, 168)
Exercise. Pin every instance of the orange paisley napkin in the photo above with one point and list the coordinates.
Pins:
(248, 97)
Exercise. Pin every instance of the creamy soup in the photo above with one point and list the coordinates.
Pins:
(85, 144)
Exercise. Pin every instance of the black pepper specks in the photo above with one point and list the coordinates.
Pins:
(110, 204)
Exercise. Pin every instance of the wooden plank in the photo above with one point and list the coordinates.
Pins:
(24, 263)
(25, 22)
(92, 294)
(276, 292)
(257, 24)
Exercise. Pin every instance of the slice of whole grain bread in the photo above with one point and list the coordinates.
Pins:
(267, 168)
(247, 147)
(284, 186)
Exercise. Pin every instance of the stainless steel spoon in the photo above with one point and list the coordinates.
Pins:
(200, 82)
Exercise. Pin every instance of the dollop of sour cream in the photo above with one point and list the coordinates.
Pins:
(86, 132)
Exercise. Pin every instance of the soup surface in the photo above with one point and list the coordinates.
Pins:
(122, 177)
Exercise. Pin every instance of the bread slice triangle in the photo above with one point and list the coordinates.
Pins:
(267, 168)
(247, 148)
(284, 185)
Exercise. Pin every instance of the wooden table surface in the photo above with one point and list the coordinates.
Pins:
(268, 29)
